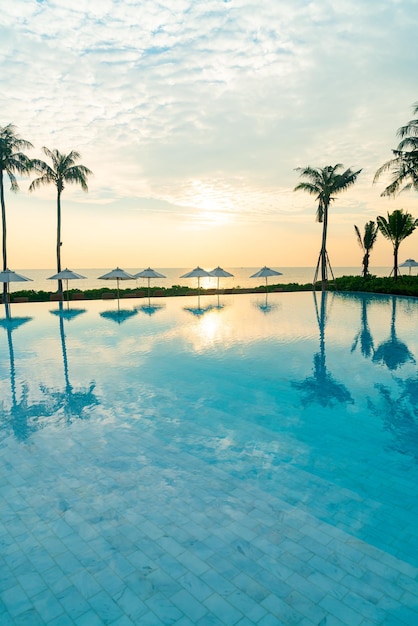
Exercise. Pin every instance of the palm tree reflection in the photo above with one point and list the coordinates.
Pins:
(72, 403)
(400, 415)
(321, 386)
(21, 413)
(364, 336)
(393, 353)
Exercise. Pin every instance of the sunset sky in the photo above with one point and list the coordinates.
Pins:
(193, 116)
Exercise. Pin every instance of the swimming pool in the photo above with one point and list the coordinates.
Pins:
(239, 460)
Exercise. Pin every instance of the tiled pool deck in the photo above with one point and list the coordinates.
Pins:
(178, 542)
(118, 520)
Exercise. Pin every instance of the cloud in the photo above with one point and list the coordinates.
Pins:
(161, 97)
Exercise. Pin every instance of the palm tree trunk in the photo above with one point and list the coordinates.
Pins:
(3, 221)
(59, 239)
(366, 264)
(395, 261)
(324, 249)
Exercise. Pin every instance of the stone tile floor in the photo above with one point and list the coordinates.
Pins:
(112, 525)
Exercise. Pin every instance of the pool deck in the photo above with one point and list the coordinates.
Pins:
(127, 539)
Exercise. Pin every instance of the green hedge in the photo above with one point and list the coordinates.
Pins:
(405, 285)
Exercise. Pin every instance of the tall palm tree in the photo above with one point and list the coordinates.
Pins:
(397, 227)
(325, 183)
(404, 165)
(63, 170)
(366, 243)
(12, 161)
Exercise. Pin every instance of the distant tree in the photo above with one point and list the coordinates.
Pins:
(63, 170)
(12, 161)
(404, 165)
(397, 227)
(324, 183)
(366, 243)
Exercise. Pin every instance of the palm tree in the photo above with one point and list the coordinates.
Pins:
(12, 161)
(324, 183)
(404, 165)
(63, 170)
(366, 243)
(397, 227)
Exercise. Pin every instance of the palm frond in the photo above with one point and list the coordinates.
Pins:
(13, 182)
(359, 237)
(404, 165)
(384, 226)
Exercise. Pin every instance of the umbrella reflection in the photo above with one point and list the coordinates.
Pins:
(150, 309)
(198, 311)
(321, 386)
(265, 306)
(393, 353)
(119, 315)
(218, 305)
(67, 314)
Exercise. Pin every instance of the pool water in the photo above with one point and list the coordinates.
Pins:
(244, 459)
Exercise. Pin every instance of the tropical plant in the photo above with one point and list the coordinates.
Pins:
(366, 243)
(325, 183)
(404, 165)
(63, 170)
(397, 227)
(12, 161)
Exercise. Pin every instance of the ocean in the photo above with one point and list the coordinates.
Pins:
(241, 277)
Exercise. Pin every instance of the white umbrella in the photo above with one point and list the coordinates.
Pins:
(409, 263)
(218, 272)
(265, 272)
(117, 274)
(66, 275)
(198, 273)
(149, 273)
(9, 276)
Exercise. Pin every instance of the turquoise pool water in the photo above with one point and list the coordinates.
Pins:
(200, 462)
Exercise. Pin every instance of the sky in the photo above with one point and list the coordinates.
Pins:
(193, 115)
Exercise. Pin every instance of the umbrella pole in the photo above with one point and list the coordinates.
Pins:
(266, 284)
(148, 286)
